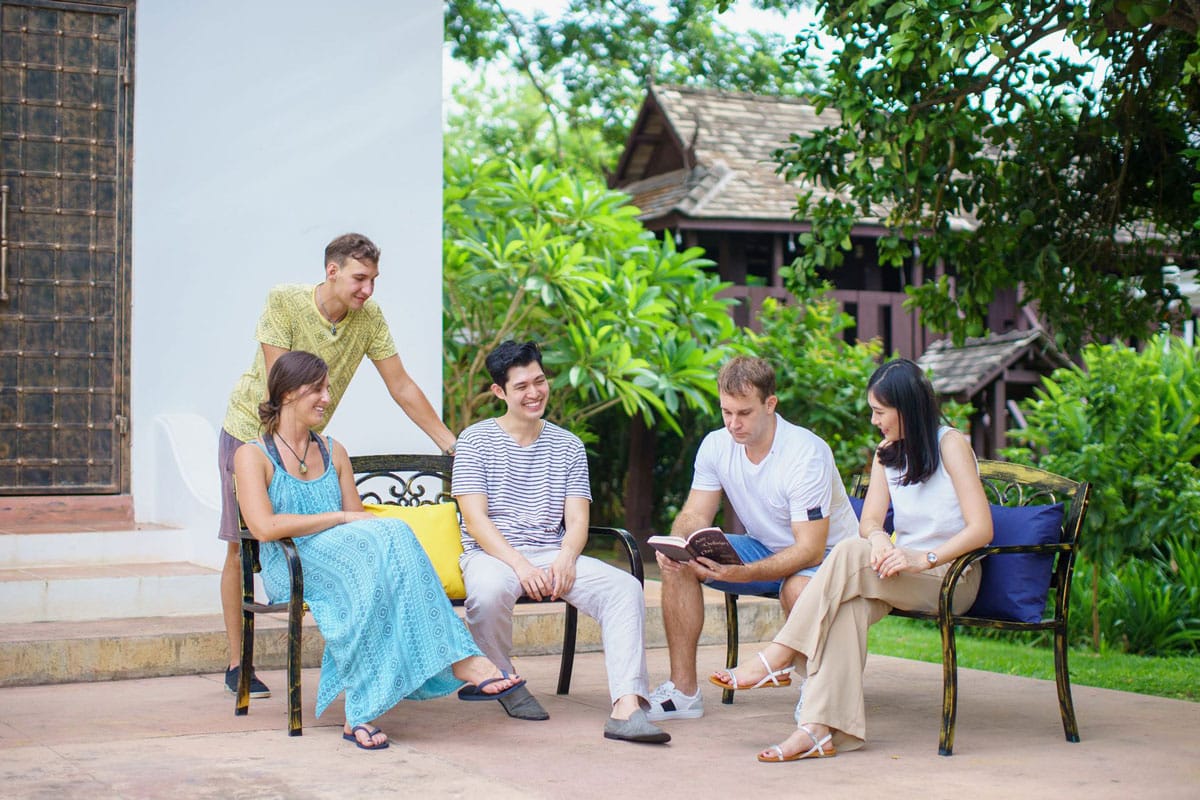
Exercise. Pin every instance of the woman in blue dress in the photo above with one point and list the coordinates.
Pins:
(390, 633)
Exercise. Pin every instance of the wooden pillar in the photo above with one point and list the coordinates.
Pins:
(999, 415)
(777, 260)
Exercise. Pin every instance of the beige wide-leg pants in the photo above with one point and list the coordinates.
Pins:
(829, 625)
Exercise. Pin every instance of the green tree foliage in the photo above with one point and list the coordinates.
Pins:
(822, 379)
(624, 320)
(587, 68)
(1129, 423)
(1076, 176)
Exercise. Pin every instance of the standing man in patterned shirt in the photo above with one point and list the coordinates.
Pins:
(338, 321)
(522, 487)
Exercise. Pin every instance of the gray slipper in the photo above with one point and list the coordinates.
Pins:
(520, 704)
(635, 729)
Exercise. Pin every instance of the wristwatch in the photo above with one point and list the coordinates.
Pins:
(931, 557)
(451, 450)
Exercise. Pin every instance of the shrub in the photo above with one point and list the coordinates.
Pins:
(1146, 612)
(1127, 422)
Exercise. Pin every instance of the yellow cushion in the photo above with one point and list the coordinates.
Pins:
(436, 527)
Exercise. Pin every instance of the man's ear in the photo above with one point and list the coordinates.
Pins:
(498, 391)
(772, 401)
(332, 269)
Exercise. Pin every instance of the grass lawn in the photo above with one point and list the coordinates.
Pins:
(1173, 676)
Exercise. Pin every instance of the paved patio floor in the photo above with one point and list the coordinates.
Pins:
(177, 737)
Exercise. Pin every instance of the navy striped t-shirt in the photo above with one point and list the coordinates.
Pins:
(526, 487)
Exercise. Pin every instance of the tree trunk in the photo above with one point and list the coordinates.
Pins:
(639, 484)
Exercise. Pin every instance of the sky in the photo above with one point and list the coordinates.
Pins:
(741, 16)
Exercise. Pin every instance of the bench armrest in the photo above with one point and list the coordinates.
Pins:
(630, 545)
(960, 564)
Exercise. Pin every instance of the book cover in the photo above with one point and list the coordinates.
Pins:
(708, 543)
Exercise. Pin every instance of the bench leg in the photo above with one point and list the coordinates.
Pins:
(295, 617)
(1063, 679)
(241, 705)
(567, 664)
(949, 688)
(731, 641)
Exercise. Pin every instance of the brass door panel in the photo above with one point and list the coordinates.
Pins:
(65, 134)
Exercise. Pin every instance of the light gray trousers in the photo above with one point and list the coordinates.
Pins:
(609, 595)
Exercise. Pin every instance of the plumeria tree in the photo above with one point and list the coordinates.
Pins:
(624, 320)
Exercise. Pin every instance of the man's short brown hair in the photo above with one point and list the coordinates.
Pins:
(351, 245)
(743, 374)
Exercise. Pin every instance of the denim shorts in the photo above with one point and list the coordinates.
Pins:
(751, 549)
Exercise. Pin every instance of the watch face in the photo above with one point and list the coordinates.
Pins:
(931, 558)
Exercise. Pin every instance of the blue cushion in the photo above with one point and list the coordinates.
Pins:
(857, 504)
(1014, 586)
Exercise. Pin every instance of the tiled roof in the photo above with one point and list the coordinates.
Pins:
(733, 135)
(728, 172)
(967, 369)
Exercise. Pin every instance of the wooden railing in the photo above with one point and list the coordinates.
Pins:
(878, 315)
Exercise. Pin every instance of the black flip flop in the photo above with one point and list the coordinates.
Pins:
(350, 737)
(475, 691)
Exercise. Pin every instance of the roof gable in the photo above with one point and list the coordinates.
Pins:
(691, 138)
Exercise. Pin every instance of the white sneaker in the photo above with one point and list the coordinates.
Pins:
(667, 702)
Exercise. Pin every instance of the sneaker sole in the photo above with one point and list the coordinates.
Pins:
(253, 695)
(667, 716)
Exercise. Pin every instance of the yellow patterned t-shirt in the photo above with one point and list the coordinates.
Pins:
(292, 321)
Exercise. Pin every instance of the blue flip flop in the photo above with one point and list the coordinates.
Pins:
(475, 692)
(350, 737)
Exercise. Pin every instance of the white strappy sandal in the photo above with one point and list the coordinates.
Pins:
(818, 750)
(777, 678)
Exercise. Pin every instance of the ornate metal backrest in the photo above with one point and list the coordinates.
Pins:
(1018, 485)
(423, 479)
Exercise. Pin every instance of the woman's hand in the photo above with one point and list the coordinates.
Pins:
(881, 545)
(900, 560)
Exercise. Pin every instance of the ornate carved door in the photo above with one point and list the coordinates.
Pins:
(65, 142)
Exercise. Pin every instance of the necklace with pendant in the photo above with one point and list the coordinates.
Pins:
(333, 323)
(301, 459)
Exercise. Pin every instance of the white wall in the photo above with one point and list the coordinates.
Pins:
(262, 129)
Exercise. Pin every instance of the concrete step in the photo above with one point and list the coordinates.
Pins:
(87, 547)
(79, 592)
(68, 652)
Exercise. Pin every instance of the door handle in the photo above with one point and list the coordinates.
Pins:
(4, 243)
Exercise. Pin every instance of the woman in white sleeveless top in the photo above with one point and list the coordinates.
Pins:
(928, 474)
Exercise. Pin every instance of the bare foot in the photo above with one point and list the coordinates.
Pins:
(366, 736)
(477, 669)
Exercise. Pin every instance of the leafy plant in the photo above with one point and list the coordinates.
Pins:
(1147, 612)
(624, 320)
(981, 151)
(1129, 423)
(821, 378)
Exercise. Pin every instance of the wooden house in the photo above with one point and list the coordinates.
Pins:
(698, 163)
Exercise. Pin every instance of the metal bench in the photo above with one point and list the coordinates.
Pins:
(406, 480)
(1010, 485)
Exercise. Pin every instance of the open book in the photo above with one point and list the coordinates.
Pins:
(706, 542)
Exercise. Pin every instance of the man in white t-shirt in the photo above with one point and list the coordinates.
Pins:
(782, 484)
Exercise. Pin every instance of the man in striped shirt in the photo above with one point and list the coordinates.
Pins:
(522, 487)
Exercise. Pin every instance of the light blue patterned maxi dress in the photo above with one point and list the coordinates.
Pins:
(390, 633)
